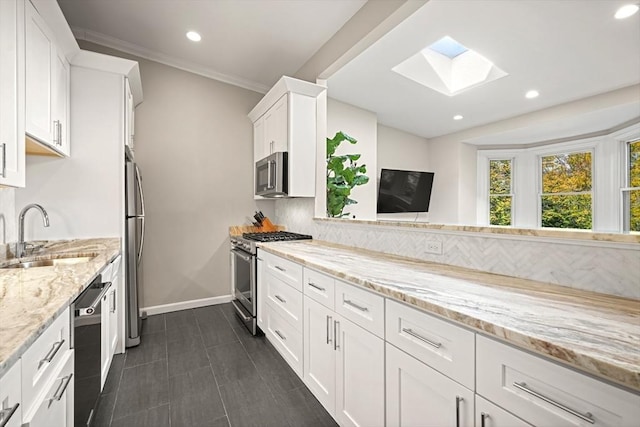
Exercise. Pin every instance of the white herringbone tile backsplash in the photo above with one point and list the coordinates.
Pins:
(590, 266)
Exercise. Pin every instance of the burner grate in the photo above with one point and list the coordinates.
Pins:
(276, 236)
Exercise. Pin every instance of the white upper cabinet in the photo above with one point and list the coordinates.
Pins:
(130, 128)
(47, 85)
(285, 120)
(12, 166)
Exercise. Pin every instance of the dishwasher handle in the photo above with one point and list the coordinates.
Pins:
(91, 309)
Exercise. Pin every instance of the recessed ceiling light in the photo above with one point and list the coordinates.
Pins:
(532, 94)
(626, 11)
(193, 36)
(458, 117)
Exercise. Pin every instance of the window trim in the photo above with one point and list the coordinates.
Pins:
(607, 179)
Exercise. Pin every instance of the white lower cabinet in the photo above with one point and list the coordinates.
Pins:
(419, 396)
(490, 415)
(285, 338)
(344, 367)
(55, 404)
(10, 397)
(260, 290)
(546, 394)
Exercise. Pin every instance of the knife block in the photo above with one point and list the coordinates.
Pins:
(267, 225)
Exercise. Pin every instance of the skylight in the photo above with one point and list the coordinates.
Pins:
(449, 67)
(448, 47)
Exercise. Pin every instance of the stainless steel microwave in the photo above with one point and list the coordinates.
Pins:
(272, 178)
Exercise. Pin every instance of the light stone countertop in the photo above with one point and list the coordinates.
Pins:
(31, 299)
(595, 333)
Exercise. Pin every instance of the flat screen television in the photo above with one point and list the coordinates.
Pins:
(404, 191)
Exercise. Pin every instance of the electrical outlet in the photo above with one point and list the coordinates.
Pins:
(434, 247)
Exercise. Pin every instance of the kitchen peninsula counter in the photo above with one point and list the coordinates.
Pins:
(595, 333)
(31, 299)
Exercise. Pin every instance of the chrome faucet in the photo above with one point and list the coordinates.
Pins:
(20, 246)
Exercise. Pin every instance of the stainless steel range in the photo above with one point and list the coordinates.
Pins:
(244, 272)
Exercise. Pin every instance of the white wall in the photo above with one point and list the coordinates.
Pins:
(361, 125)
(401, 150)
(82, 194)
(8, 225)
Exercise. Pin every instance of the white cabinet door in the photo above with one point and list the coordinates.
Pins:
(12, 166)
(490, 415)
(359, 376)
(130, 119)
(105, 337)
(259, 145)
(113, 319)
(319, 353)
(276, 127)
(56, 404)
(60, 99)
(10, 397)
(39, 69)
(419, 396)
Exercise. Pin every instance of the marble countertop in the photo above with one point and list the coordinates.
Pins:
(596, 333)
(31, 299)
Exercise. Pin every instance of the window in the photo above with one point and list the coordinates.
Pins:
(631, 193)
(500, 192)
(566, 196)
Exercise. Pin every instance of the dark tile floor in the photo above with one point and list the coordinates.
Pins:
(201, 367)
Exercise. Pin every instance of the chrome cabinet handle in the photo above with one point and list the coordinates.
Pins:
(329, 329)
(113, 301)
(421, 338)
(55, 132)
(61, 388)
(52, 353)
(277, 267)
(588, 417)
(483, 417)
(279, 298)
(353, 304)
(278, 333)
(458, 400)
(59, 133)
(3, 170)
(7, 413)
(336, 331)
(313, 285)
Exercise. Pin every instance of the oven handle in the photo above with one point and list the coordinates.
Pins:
(241, 254)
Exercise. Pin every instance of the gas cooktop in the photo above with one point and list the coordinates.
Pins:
(275, 236)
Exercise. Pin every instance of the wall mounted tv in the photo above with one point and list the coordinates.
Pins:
(404, 191)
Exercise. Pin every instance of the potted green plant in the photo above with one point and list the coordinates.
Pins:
(343, 174)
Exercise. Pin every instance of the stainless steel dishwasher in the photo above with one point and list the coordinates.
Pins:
(86, 340)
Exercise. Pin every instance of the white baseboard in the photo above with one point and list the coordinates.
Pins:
(185, 305)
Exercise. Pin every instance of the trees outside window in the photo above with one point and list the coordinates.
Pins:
(631, 194)
(500, 192)
(566, 196)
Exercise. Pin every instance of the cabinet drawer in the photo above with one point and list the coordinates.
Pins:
(43, 358)
(546, 394)
(284, 300)
(490, 415)
(363, 308)
(54, 406)
(286, 339)
(319, 287)
(445, 347)
(10, 403)
(287, 271)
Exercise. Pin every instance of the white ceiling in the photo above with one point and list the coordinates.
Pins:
(249, 43)
(566, 49)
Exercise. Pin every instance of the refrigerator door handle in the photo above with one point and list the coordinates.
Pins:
(141, 214)
(141, 238)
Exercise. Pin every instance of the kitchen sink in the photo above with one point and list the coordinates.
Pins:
(51, 262)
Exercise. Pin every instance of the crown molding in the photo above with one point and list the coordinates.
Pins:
(133, 49)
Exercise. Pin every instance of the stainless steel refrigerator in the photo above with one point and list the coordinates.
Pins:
(134, 235)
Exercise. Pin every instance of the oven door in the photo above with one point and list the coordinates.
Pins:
(243, 279)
